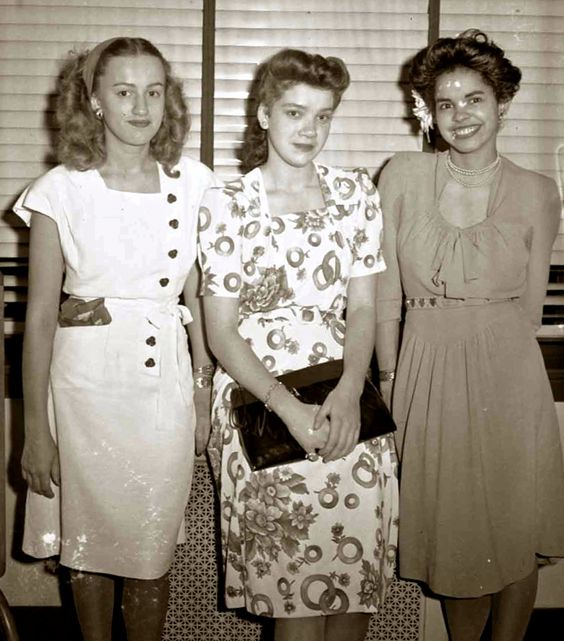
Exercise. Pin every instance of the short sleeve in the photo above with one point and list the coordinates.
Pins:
(42, 196)
(219, 244)
(389, 292)
(365, 238)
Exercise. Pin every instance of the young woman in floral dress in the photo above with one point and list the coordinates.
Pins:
(284, 250)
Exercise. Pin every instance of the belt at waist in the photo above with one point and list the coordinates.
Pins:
(83, 311)
(441, 302)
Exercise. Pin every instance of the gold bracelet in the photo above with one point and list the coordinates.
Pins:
(269, 392)
(387, 375)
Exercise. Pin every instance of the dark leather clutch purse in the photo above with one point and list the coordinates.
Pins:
(265, 438)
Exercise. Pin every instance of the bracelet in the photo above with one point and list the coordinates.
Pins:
(268, 394)
(387, 375)
(203, 376)
(205, 370)
(203, 382)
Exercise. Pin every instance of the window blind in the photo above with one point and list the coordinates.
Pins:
(531, 35)
(373, 38)
(35, 36)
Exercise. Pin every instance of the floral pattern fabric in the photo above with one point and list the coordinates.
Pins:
(288, 540)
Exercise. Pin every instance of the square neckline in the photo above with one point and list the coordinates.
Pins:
(325, 194)
(161, 176)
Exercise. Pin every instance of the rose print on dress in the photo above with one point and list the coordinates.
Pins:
(274, 521)
(269, 292)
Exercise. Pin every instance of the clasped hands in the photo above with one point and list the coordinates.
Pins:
(330, 430)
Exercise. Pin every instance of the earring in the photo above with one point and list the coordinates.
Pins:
(263, 124)
(99, 113)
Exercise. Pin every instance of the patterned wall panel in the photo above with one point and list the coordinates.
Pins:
(195, 613)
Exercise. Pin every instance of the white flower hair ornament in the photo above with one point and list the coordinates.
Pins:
(422, 113)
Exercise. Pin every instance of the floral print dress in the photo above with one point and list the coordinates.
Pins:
(309, 538)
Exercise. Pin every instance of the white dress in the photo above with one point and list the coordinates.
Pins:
(120, 394)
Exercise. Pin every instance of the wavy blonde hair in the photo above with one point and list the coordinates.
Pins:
(81, 139)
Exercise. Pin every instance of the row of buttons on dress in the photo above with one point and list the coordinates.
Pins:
(173, 253)
(151, 341)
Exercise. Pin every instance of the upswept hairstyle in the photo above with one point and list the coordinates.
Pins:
(473, 50)
(278, 73)
(81, 142)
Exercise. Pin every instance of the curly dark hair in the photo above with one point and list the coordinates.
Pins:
(275, 75)
(473, 50)
(81, 142)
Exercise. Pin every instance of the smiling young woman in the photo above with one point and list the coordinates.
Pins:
(467, 241)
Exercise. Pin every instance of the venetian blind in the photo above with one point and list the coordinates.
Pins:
(531, 35)
(373, 38)
(35, 37)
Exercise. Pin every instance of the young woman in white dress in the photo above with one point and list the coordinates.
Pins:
(110, 405)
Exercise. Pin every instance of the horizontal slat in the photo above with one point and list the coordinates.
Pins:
(103, 4)
(40, 50)
(332, 6)
(10, 250)
(188, 72)
(387, 91)
(28, 136)
(110, 16)
(15, 296)
(321, 38)
(13, 235)
(237, 57)
(398, 123)
(39, 120)
(533, 26)
(13, 327)
(511, 9)
(243, 72)
(14, 280)
(308, 20)
(390, 91)
(236, 127)
(47, 84)
(91, 34)
(343, 142)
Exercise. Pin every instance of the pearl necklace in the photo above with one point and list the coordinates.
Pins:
(458, 173)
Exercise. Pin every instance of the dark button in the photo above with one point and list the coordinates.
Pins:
(151, 341)
(173, 223)
(173, 253)
(163, 282)
(150, 363)
(171, 198)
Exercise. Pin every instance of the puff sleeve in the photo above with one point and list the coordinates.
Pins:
(42, 196)
(365, 239)
(219, 243)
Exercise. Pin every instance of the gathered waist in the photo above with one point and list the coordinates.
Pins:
(453, 324)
